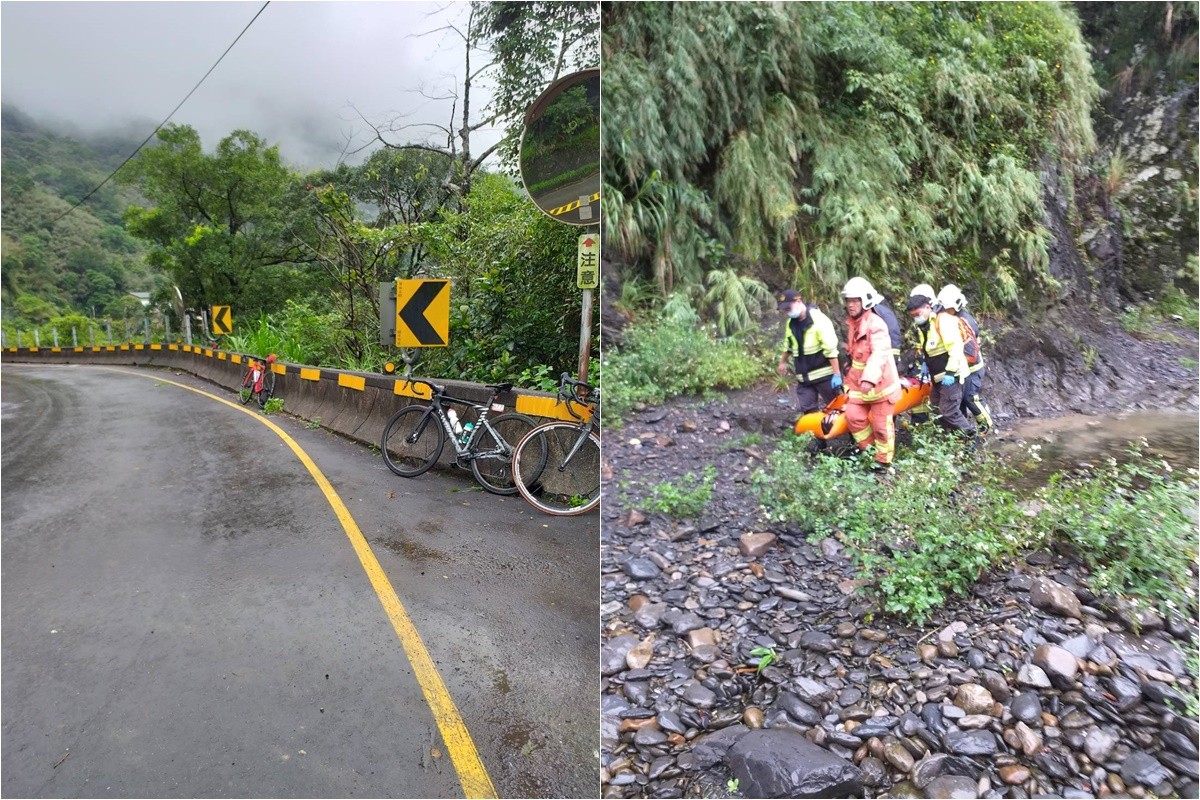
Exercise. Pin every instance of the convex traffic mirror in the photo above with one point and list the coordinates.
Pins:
(560, 149)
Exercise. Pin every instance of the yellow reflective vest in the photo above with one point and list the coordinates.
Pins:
(941, 343)
(811, 342)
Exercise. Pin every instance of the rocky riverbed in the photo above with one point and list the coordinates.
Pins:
(1029, 687)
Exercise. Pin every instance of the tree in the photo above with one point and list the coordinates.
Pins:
(531, 45)
(219, 221)
(535, 44)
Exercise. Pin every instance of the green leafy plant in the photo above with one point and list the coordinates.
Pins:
(684, 497)
(669, 356)
(314, 423)
(766, 657)
(1134, 526)
(275, 404)
(732, 785)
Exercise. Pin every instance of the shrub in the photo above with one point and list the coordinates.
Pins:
(946, 518)
(928, 533)
(684, 497)
(1133, 525)
(665, 358)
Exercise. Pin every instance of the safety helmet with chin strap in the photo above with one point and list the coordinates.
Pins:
(863, 290)
(952, 297)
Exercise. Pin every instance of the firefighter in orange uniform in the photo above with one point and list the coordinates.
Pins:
(872, 384)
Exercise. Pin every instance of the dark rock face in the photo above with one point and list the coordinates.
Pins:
(784, 764)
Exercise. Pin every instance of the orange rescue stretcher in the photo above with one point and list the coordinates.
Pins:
(830, 422)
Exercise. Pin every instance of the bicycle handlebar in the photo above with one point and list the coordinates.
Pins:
(574, 391)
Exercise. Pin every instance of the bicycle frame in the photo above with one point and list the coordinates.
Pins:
(462, 450)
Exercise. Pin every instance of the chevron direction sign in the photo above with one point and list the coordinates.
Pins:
(222, 320)
(423, 313)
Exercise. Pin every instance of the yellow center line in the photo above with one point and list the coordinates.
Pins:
(471, 773)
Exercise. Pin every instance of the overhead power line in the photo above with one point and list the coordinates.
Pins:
(167, 119)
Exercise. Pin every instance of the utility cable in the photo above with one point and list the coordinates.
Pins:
(146, 141)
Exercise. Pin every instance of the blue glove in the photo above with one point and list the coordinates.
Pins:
(836, 381)
(948, 379)
(924, 372)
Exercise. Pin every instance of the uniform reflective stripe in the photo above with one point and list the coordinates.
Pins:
(816, 374)
(857, 365)
(865, 433)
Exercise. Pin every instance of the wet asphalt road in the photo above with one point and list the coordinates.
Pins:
(183, 615)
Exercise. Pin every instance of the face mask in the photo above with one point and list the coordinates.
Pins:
(922, 318)
(796, 313)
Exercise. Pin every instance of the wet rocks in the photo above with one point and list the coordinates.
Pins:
(974, 699)
(970, 743)
(997, 696)
(755, 545)
(1054, 597)
(780, 763)
(1058, 664)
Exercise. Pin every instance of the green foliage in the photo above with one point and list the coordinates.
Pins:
(920, 538)
(534, 44)
(736, 299)
(514, 305)
(947, 517)
(766, 657)
(273, 406)
(1154, 321)
(672, 355)
(1134, 526)
(850, 138)
(684, 497)
(217, 223)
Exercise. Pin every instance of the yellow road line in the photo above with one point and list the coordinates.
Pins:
(471, 772)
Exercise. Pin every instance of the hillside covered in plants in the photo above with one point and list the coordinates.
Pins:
(1039, 155)
(300, 255)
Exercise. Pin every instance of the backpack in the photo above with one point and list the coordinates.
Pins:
(970, 342)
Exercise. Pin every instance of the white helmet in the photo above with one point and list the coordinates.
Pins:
(952, 297)
(862, 289)
(923, 290)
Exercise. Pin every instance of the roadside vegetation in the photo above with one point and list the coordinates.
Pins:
(299, 255)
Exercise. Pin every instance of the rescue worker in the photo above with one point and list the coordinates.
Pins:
(920, 413)
(811, 342)
(872, 383)
(941, 344)
(893, 324)
(954, 302)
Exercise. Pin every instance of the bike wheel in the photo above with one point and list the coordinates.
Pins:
(492, 462)
(412, 441)
(247, 390)
(551, 477)
(268, 389)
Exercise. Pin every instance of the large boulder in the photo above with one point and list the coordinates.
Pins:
(780, 763)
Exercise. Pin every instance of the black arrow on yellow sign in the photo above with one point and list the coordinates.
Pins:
(425, 312)
(222, 321)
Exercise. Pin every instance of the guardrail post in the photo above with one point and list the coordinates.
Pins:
(187, 330)
(108, 330)
(126, 339)
(146, 328)
(37, 338)
(167, 327)
(74, 337)
(56, 337)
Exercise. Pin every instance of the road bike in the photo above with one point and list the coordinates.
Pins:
(413, 438)
(557, 464)
(258, 382)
